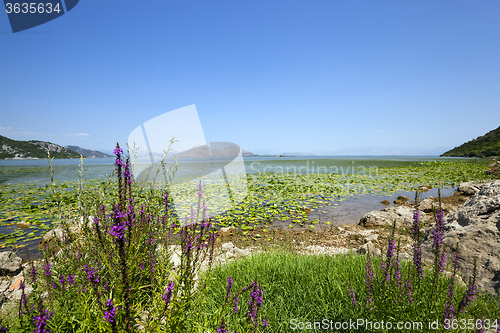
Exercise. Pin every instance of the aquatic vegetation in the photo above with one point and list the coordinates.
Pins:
(272, 197)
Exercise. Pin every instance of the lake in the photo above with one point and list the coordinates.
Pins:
(347, 211)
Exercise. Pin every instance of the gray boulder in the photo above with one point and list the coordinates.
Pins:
(369, 247)
(476, 228)
(470, 188)
(10, 263)
(385, 217)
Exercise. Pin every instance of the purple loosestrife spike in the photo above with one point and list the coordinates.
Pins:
(416, 224)
(255, 303)
(41, 322)
(33, 273)
(222, 327)
(71, 279)
(265, 323)
(481, 327)
(229, 286)
(353, 297)
(449, 311)
(236, 300)
(469, 296)
(409, 292)
(442, 261)
(3, 329)
(109, 314)
(417, 248)
(48, 272)
(397, 272)
(386, 266)
(417, 260)
(168, 295)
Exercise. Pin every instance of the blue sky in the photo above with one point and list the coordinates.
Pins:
(324, 77)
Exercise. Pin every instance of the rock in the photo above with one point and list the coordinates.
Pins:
(174, 251)
(401, 200)
(15, 285)
(385, 202)
(10, 263)
(426, 205)
(470, 188)
(424, 188)
(237, 253)
(225, 232)
(51, 238)
(227, 246)
(23, 225)
(371, 238)
(402, 214)
(476, 228)
(369, 247)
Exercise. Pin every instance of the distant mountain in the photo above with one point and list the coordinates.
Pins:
(483, 146)
(204, 151)
(13, 149)
(87, 152)
(287, 154)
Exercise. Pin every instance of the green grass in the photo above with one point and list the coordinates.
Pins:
(311, 288)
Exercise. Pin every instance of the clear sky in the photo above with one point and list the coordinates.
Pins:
(324, 77)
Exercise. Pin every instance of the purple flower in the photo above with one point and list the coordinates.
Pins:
(48, 272)
(442, 260)
(91, 274)
(109, 314)
(71, 279)
(417, 248)
(353, 297)
(409, 292)
(255, 302)
(33, 273)
(386, 265)
(41, 322)
(61, 279)
(229, 286)
(468, 296)
(127, 175)
(265, 323)
(168, 295)
(222, 327)
(397, 272)
(236, 300)
(449, 310)
(117, 231)
(118, 151)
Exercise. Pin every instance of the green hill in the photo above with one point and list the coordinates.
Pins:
(483, 146)
(32, 149)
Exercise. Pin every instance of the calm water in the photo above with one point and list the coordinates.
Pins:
(19, 171)
(349, 211)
